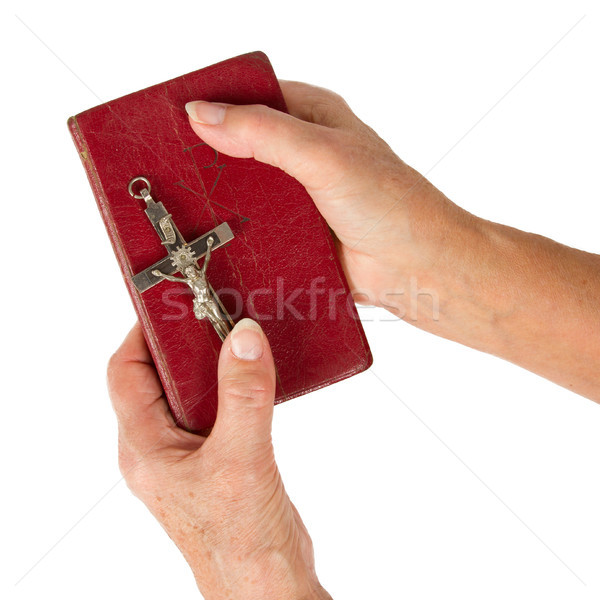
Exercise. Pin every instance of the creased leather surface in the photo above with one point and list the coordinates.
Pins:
(281, 241)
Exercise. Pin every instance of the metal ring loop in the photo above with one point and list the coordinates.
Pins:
(134, 180)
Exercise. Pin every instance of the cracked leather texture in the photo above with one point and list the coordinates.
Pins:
(281, 244)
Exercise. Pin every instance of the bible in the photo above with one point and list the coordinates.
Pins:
(204, 240)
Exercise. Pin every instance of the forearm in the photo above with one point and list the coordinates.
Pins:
(513, 294)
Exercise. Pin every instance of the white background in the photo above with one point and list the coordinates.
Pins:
(472, 478)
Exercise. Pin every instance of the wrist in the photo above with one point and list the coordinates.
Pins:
(458, 276)
(435, 264)
(269, 589)
(272, 577)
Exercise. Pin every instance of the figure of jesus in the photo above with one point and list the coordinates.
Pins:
(205, 305)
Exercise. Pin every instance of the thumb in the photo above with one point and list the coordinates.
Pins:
(309, 152)
(246, 389)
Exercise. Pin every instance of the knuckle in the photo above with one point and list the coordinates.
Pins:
(326, 107)
(112, 366)
(329, 108)
(252, 390)
(333, 97)
(135, 470)
(127, 460)
(258, 119)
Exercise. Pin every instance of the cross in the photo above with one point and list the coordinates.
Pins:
(181, 254)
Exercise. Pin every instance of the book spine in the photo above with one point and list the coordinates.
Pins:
(161, 365)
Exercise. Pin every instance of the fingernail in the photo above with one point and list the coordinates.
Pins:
(247, 340)
(207, 113)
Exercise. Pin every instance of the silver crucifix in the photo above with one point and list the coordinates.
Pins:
(183, 258)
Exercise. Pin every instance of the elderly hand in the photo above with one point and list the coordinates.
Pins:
(378, 206)
(406, 247)
(220, 498)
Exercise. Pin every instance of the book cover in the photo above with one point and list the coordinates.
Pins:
(280, 268)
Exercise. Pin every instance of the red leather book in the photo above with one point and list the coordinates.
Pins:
(280, 268)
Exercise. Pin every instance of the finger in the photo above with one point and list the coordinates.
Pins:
(246, 390)
(307, 151)
(317, 105)
(136, 392)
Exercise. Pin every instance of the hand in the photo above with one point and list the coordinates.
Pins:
(220, 498)
(381, 210)
(404, 246)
